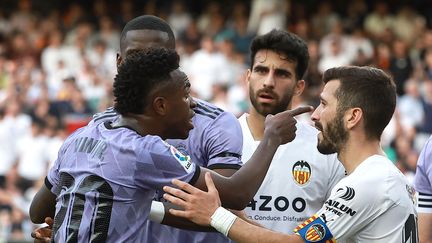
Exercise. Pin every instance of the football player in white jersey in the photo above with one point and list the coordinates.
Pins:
(373, 203)
(300, 178)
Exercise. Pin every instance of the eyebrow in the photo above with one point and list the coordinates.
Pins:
(260, 66)
(284, 71)
(322, 99)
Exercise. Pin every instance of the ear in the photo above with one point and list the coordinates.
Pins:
(248, 74)
(353, 117)
(160, 105)
(299, 87)
(119, 60)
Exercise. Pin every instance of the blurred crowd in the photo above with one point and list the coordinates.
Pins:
(58, 60)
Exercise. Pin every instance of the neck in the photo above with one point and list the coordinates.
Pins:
(141, 123)
(355, 151)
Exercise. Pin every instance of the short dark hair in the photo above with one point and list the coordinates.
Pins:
(368, 88)
(148, 22)
(139, 74)
(286, 43)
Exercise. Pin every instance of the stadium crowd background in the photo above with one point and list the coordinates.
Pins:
(58, 60)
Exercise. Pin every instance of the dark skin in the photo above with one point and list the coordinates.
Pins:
(279, 129)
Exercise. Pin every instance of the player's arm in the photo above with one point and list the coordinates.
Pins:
(237, 190)
(159, 212)
(425, 227)
(164, 217)
(242, 231)
(204, 208)
(43, 205)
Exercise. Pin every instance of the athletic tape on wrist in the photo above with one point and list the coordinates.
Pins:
(222, 220)
(157, 211)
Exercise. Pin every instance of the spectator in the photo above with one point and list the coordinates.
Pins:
(267, 15)
(380, 20)
(179, 18)
(410, 108)
(400, 65)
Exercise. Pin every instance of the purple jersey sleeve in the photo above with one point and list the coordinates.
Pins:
(423, 177)
(224, 142)
(158, 163)
(53, 175)
(216, 141)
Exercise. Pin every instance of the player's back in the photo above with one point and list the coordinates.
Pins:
(373, 204)
(105, 179)
(396, 217)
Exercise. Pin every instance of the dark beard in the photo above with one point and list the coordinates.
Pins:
(334, 137)
(267, 109)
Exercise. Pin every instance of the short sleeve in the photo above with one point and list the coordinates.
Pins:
(160, 162)
(422, 179)
(224, 142)
(52, 180)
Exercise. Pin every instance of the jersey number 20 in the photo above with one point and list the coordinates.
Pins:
(75, 197)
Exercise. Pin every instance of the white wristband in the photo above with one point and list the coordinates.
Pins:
(222, 220)
(157, 211)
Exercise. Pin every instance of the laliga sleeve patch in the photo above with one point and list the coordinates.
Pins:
(314, 230)
(184, 160)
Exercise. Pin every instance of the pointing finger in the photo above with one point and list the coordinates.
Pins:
(300, 110)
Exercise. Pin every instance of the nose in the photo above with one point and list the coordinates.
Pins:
(315, 115)
(269, 81)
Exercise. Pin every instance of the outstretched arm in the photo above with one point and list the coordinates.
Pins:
(237, 190)
(204, 208)
(43, 205)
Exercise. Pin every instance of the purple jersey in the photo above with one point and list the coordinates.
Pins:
(216, 142)
(423, 179)
(105, 179)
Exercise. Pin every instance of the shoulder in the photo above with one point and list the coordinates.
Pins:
(211, 115)
(426, 152)
(377, 180)
(207, 111)
(108, 115)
